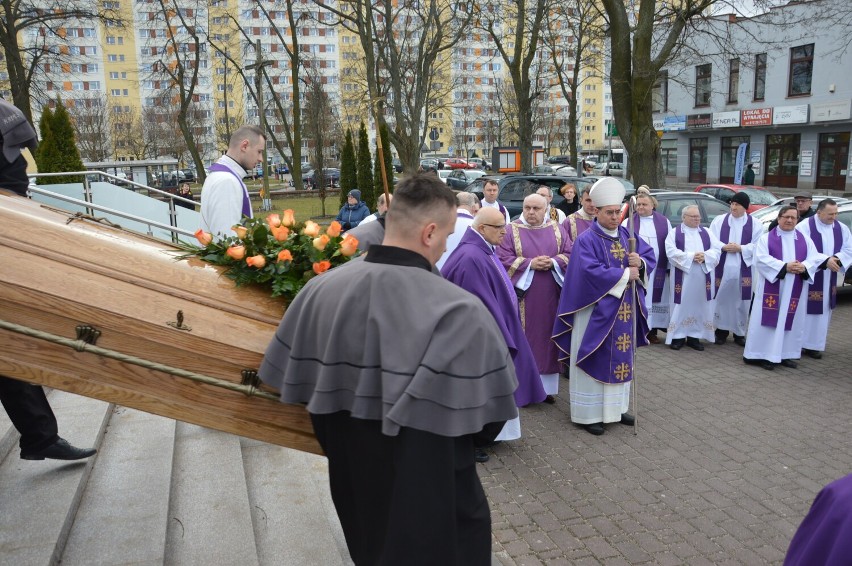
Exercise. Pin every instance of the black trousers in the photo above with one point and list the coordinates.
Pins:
(30, 412)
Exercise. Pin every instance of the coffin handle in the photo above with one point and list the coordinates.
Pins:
(86, 334)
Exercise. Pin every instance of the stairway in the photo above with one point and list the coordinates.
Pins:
(161, 491)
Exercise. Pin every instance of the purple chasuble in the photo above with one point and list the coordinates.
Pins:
(825, 535)
(745, 271)
(771, 291)
(218, 167)
(661, 227)
(474, 267)
(597, 264)
(575, 224)
(521, 244)
(680, 238)
(815, 296)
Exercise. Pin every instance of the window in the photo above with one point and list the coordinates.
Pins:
(698, 160)
(659, 94)
(728, 158)
(702, 84)
(801, 70)
(734, 81)
(668, 148)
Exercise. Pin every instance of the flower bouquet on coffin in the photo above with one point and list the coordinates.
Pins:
(276, 251)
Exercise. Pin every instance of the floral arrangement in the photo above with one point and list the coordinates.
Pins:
(276, 251)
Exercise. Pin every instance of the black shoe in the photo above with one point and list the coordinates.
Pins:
(550, 400)
(653, 339)
(694, 344)
(720, 341)
(767, 365)
(60, 450)
(677, 344)
(480, 455)
(815, 354)
(627, 419)
(739, 340)
(789, 364)
(595, 428)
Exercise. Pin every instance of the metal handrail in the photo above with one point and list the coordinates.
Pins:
(91, 206)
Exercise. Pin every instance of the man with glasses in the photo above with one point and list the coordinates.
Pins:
(693, 253)
(474, 266)
(804, 200)
(535, 252)
(785, 262)
(830, 238)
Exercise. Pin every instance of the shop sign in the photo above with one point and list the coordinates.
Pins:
(756, 117)
(674, 123)
(726, 119)
(790, 114)
(840, 110)
(699, 121)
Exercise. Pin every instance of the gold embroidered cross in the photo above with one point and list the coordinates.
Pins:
(770, 301)
(793, 304)
(621, 371)
(678, 288)
(624, 312)
(623, 342)
(747, 281)
(617, 251)
(815, 295)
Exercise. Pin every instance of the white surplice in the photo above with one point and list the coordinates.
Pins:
(731, 309)
(658, 313)
(693, 317)
(773, 343)
(816, 325)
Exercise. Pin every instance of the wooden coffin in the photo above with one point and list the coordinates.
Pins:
(57, 275)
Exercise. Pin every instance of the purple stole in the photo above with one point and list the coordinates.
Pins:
(502, 208)
(218, 167)
(815, 296)
(680, 243)
(745, 272)
(662, 230)
(771, 291)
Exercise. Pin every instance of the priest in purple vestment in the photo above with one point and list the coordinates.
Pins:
(604, 289)
(825, 536)
(535, 252)
(580, 221)
(474, 266)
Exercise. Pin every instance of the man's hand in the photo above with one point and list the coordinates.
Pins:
(732, 248)
(634, 260)
(699, 257)
(833, 264)
(541, 263)
(634, 273)
(795, 267)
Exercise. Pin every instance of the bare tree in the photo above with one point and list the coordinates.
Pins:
(321, 126)
(404, 43)
(42, 24)
(90, 117)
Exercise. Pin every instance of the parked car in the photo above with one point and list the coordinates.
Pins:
(282, 169)
(458, 163)
(480, 163)
(559, 160)
(397, 165)
(460, 178)
(514, 187)
(609, 169)
(768, 214)
(630, 188)
(443, 174)
(758, 196)
(554, 169)
(671, 204)
(332, 178)
(186, 175)
(429, 164)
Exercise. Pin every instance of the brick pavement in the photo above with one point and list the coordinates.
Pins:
(726, 463)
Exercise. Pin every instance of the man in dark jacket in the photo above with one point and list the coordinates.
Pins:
(354, 211)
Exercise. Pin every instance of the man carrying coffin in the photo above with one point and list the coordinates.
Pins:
(738, 233)
(693, 252)
(785, 260)
(603, 291)
(831, 238)
(474, 266)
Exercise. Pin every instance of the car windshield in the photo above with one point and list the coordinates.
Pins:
(757, 196)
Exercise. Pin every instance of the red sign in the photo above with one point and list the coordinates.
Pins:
(756, 117)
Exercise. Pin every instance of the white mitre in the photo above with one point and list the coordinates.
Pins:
(606, 192)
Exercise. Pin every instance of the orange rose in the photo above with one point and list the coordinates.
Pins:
(322, 266)
(334, 229)
(321, 242)
(257, 261)
(280, 233)
(285, 255)
(204, 238)
(274, 220)
(240, 230)
(236, 252)
(349, 245)
(288, 218)
(311, 229)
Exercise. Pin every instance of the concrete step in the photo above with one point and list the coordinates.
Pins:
(124, 511)
(38, 499)
(210, 515)
(295, 523)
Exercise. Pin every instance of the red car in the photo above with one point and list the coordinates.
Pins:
(458, 163)
(758, 196)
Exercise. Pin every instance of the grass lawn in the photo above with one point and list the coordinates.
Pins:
(305, 207)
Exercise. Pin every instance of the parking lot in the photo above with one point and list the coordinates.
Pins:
(725, 465)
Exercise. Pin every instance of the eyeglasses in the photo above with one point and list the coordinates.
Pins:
(496, 226)
(788, 217)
